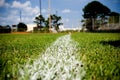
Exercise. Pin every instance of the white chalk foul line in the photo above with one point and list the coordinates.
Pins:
(57, 63)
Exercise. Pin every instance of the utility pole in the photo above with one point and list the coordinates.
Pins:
(49, 9)
(56, 12)
(85, 23)
(40, 13)
(119, 19)
(20, 16)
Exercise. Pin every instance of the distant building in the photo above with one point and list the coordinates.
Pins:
(14, 28)
(62, 28)
(31, 27)
(111, 26)
(5, 29)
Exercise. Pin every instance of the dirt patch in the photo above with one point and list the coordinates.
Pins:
(20, 33)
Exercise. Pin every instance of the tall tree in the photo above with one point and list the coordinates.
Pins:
(39, 20)
(93, 11)
(55, 21)
(47, 23)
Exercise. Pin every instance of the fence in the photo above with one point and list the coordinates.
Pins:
(111, 26)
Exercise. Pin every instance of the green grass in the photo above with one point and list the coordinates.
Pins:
(100, 53)
(17, 49)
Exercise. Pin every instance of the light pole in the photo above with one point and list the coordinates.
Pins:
(40, 13)
(119, 19)
(49, 9)
(20, 16)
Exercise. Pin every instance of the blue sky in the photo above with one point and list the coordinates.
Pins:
(70, 10)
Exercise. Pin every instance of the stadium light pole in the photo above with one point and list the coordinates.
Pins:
(49, 9)
(40, 12)
(20, 16)
(119, 19)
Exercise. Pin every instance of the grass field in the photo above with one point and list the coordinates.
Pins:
(100, 53)
(16, 49)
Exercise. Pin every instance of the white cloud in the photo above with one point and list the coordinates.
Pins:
(26, 7)
(3, 3)
(28, 12)
(35, 10)
(66, 11)
(17, 4)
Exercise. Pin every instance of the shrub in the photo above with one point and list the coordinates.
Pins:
(22, 27)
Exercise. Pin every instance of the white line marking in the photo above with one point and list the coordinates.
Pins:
(57, 63)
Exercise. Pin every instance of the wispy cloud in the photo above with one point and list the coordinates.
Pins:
(66, 20)
(66, 11)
